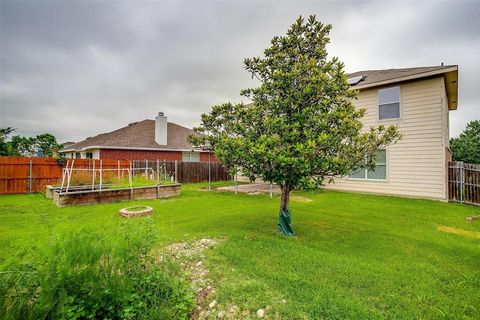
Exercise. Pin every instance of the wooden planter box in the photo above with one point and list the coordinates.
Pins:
(114, 195)
(49, 189)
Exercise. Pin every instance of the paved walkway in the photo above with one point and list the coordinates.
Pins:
(252, 188)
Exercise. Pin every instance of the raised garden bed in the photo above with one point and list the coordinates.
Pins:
(49, 189)
(85, 197)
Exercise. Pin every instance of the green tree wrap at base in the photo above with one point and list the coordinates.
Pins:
(284, 223)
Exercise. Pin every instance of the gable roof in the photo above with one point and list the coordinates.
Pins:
(137, 135)
(68, 144)
(375, 78)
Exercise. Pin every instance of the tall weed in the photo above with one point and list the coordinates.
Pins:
(87, 276)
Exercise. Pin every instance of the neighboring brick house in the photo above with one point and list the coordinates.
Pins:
(143, 140)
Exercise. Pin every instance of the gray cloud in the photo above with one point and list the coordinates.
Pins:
(80, 68)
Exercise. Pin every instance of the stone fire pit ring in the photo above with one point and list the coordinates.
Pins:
(136, 211)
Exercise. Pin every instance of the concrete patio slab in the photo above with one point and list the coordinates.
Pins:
(252, 188)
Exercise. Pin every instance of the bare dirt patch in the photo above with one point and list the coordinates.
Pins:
(473, 218)
(459, 231)
(300, 199)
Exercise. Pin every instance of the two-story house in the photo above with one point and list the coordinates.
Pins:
(418, 100)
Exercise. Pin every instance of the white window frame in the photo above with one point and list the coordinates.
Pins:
(366, 171)
(189, 154)
(399, 104)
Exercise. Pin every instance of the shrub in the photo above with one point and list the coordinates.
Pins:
(86, 276)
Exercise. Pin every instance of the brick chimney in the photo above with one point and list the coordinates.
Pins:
(161, 129)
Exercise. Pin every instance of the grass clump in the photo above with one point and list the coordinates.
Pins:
(87, 276)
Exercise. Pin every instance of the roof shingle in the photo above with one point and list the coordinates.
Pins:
(138, 135)
(376, 76)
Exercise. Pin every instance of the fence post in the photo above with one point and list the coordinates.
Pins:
(236, 184)
(462, 181)
(118, 170)
(271, 190)
(158, 172)
(209, 173)
(176, 169)
(164, 170)
(93, 175)
(30, 178)
(130, 181)
(101, 166)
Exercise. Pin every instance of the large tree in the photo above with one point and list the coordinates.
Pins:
(4, 146)
(466, 147)
(44, 144)
(302, 126)
(22, 146)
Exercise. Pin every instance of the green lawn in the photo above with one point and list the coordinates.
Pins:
(355, 256)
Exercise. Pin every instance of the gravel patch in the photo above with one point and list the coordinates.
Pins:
(191, 258)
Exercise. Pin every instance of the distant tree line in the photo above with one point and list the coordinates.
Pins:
(466, 147)
(42, 145)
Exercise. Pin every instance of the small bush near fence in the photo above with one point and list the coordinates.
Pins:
(27, 175)
(86, 276)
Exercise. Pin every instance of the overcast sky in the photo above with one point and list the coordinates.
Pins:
(77, 69)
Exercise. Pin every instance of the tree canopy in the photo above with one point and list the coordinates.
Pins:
(4, 146)
(466, 147)
(302, 126)
(44, 145)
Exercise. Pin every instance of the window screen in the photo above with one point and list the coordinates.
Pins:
(380, 172)
(389, 103)
(191, 156)
(360, 174)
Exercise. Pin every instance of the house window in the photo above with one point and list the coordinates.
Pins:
(191, 156)
(77, 155)
(88, 155)
(389, 103)
(380, 172)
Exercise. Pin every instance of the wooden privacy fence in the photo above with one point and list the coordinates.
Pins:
(27, 175)
(188, 172)
(464, 182)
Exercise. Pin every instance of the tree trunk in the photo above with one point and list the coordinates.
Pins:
(285, 197)
(284, 218)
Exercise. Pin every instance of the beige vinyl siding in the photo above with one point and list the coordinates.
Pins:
(445, 118)
(416, 164)
(445, 135)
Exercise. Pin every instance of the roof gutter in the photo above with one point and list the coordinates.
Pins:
(125, 148)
